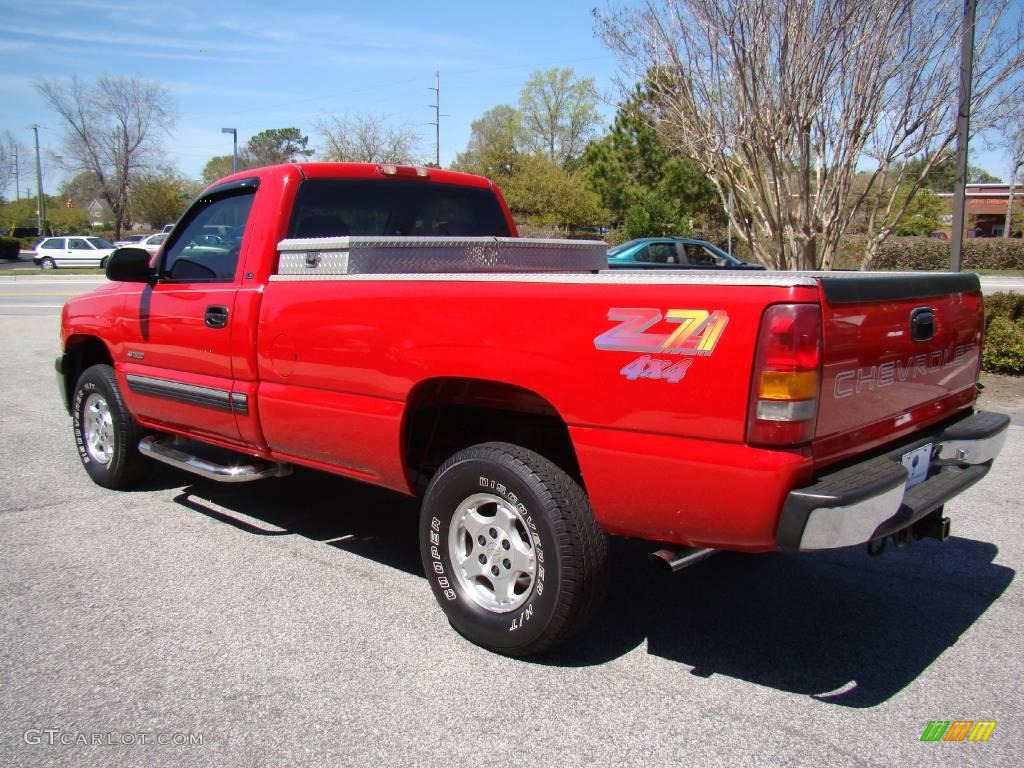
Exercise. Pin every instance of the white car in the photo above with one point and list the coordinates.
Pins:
(151, 243)
(128, 241)
(73, 251)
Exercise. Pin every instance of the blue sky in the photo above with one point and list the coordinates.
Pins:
(256, 65)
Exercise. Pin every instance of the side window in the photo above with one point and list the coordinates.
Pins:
(53, 242)
(207, 247)
(698, 254)
(77, 244)
(644, 254)
(663, 253)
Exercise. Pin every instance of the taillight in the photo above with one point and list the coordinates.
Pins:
(404, 170)
(787, 377)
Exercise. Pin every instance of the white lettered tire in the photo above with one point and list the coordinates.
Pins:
(511, 549)
(106, 436)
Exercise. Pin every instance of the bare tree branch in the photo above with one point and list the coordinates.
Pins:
(366, 138)
(112, 131)
(808, 110)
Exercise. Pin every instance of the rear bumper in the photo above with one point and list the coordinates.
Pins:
(869, 500)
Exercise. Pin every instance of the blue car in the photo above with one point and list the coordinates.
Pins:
(672, 253)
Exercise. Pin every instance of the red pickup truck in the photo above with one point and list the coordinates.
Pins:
(386, 324)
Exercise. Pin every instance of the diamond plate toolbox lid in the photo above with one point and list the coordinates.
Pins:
(417, 255)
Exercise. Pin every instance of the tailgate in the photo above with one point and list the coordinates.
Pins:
(900, 352)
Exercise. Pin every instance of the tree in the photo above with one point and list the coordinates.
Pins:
(1010, 131)
(646, 184)
(559, 113)
(367, 139)
(922, 215)
(160, 197)
(112, 131)
(543, 193)
(497, 141)
(781, 102)
(82, 189)
(274, 146)
(218, 167)
(942, 176)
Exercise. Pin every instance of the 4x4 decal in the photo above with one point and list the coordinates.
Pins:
(697, 333)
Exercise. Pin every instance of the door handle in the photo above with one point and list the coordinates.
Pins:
(216, 316)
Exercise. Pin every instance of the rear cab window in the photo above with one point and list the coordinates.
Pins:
(389, 207)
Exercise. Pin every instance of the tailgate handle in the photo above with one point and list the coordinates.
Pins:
(216, 316)
(922, 324)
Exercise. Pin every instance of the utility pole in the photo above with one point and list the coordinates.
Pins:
(963, 124)
(17, 176)
(40, 203)
(436, 106)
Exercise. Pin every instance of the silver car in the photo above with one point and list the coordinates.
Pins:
(73, 251)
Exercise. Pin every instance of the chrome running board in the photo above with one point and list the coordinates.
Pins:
(169, 450)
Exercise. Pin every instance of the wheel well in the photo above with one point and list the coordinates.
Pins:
(80, 353)
(445, 415)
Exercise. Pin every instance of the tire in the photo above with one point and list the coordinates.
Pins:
(105, 433)
(103, 262)
(47, 263)
(544, 559)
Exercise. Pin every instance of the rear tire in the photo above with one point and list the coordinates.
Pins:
(105, 433)
(511, 549)
(47, 263)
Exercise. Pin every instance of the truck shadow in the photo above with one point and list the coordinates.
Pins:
(841, 627)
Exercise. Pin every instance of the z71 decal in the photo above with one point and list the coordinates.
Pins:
(697, 334)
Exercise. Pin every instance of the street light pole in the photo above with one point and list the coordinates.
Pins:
(40, 203)
(17, 175)
(234, 147)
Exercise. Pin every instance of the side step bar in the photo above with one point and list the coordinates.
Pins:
(242, 469)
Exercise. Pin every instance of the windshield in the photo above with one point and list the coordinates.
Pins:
(99, 242)
(622, 247)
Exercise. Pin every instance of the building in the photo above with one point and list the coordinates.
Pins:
(985, 210)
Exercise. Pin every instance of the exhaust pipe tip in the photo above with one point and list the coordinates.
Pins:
(670, 561)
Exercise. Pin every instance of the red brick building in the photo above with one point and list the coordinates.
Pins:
(985, 210)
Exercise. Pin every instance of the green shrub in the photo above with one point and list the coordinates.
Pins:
(1006, 305)
(1004, 346)
(9, 248)
(925, 253)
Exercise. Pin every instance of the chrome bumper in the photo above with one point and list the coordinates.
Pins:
(870, 500)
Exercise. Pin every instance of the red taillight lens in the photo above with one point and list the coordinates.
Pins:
(787, 377)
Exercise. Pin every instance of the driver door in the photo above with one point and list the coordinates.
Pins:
(179, 369)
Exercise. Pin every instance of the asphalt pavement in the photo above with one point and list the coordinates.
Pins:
(288, 623)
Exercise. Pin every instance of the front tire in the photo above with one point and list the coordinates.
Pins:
(105, 433)
(511, 549)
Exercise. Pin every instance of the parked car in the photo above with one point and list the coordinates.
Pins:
(672, 253)
(129, 240)
(151, 243)
(73, 251)
(167, 229)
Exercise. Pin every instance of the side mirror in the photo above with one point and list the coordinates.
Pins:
(130, 265)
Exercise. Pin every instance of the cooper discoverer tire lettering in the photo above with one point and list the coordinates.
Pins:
(511, 549)
(105, 433)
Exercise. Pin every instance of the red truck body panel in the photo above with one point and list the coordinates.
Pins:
(327, 367)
